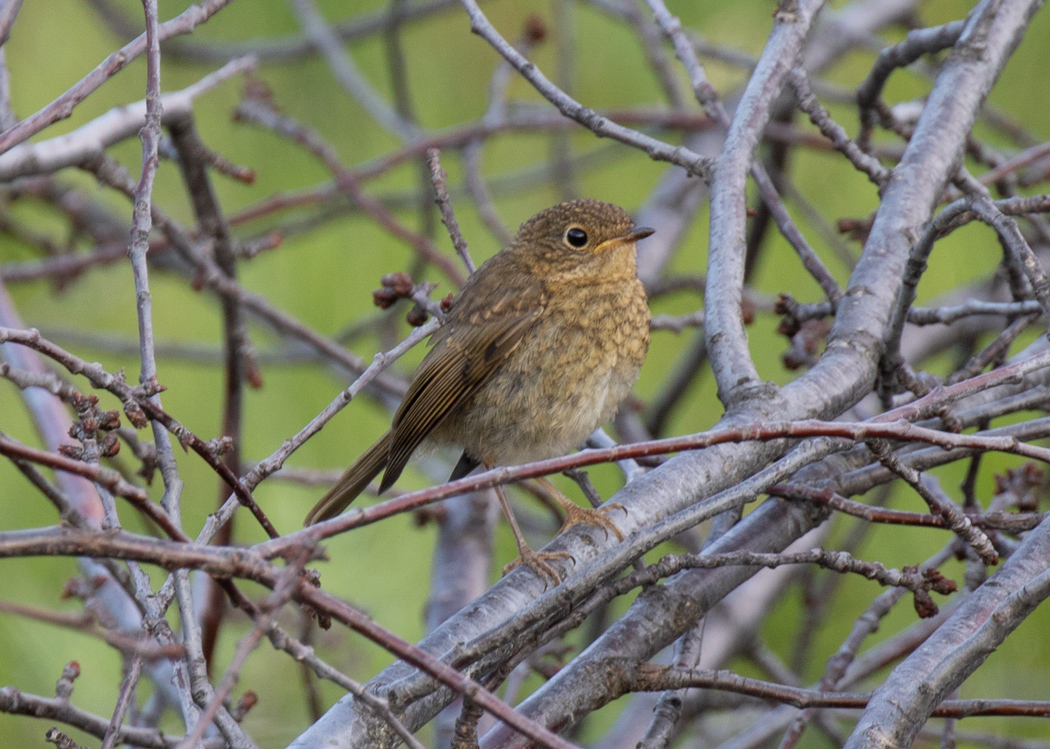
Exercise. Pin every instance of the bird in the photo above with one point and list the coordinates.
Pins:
(541, 345)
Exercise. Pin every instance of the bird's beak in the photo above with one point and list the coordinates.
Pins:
(638, 232)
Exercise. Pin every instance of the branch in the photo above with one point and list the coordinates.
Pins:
(63, 106)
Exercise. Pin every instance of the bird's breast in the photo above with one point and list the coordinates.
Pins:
(566, 377)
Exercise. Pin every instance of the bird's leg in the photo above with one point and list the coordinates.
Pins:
(537, 560)
(575, 514)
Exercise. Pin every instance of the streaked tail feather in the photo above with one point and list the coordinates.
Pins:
(351, 483)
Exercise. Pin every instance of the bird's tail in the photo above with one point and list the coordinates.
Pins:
(351, 483)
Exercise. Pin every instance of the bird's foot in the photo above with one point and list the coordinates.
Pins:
(537, 562)
(574, 514)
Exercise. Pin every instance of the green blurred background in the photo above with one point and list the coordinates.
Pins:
(324, 277)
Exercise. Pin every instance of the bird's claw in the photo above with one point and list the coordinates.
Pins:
(574, 514)
(537, 562)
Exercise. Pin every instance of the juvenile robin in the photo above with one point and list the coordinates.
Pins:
(541, 345)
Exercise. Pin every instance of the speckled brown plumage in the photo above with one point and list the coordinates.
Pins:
(543, 343)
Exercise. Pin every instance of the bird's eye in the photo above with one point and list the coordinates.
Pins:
(576, 237)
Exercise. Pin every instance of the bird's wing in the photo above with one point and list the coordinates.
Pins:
(464, 356)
